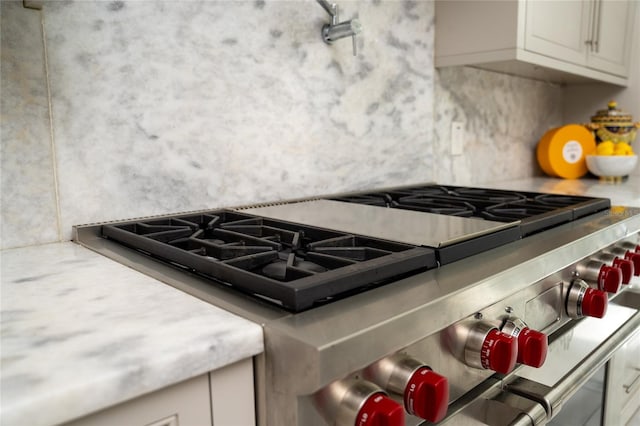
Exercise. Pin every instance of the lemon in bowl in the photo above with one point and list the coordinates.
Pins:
(605, 148)
(622, 148)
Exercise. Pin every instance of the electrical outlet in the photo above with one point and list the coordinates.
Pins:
(457, 137)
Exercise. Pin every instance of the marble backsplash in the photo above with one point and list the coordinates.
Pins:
(504, 117)
(28, 196)
(162, 107)
(174, 106)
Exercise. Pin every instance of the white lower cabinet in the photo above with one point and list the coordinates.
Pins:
(232, 395)
(623, 385)
(224, 397)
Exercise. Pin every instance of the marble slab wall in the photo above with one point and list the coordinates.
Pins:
(165, 107)
(504, 118)
(28, 213)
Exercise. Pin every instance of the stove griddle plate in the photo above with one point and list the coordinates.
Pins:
(296, 266)
(535, 211)
(452, 237)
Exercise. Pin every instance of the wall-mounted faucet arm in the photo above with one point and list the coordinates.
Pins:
(341, 30)
(337, 30)
(332, 10)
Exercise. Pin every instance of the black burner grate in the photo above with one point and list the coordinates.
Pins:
(296, 266)
(535, 211)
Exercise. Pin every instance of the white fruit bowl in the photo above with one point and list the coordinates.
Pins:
(611, 165)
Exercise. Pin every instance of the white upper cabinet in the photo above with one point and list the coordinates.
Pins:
(558, 29)
(613, 36)
(563, 41)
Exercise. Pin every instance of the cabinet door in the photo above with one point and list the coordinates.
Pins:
(623, 383)
(613, 32)
(558, 29)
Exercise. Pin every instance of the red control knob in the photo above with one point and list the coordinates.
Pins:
(635, 259)
(626, 267)
(594, 303)
(380, 410)
(427, 395)
(629, 254)
(610, 279)
(499, 352)
(532, 347)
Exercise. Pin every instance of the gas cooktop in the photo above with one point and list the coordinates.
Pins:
(303, 254)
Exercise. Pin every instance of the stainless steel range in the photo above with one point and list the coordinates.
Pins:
(404, 305)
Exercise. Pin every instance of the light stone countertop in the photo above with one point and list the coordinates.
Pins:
(81, 332)
(626, 193)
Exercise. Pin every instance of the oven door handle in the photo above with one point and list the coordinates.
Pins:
(552, 398)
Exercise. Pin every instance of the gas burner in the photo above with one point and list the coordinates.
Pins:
(535, 211)
(487, 195)
(292, 268)
(294, 265)
(432, 204)
(516, 211)
(558, 200)
(471, 195)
